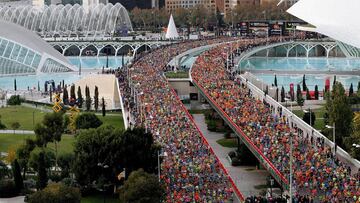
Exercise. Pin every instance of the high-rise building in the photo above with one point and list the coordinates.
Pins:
(172, 5)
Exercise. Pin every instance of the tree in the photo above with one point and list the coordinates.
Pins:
(354, 138)
(38, 86)
(306, 118)
(275, 81)
(299, 97)
(351, 90)
(358, 89)
(50, 130)
(282, 94)
(57, 193)
(4, 170)
(42, 177)
(308, 96)
(316, 92)
(181, 17)
(304, 83)
(17, 175)
(65, 163)
(80, 98)
(339, 112)
(103, 107)
(87, 99)
(65, 96)
(72, 92)
(2, 126)
(23, 154)
(15, 100)
(96, 98)
(15, 125)
(87, 120)
(15, 86)
(142, 187)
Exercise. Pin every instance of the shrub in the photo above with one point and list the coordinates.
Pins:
(87, 120)
(57, 193)
(15, 100)
(8, 189)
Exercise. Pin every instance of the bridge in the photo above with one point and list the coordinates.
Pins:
(296, 49)
(98, 48)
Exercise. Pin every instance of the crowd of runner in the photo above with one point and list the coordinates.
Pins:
(190, 171)
(317, 172)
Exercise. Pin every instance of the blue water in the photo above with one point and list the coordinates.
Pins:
(31, 81)
(289, 64)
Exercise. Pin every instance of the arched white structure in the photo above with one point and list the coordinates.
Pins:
(65, 21)
(24, 53)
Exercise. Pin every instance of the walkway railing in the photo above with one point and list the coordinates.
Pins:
(255, 150)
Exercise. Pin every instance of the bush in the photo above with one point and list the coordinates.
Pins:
(8, 189)
(15, 100)
(87, 120)
(56, 193)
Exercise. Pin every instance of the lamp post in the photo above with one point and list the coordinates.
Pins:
(162, 154)
(333, 127)
(103, 167)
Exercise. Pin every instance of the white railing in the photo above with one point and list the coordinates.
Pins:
(306, 128)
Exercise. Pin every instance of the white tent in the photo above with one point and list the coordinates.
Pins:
(171, 32)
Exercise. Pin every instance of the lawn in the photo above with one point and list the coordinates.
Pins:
(179, 74)
(15, 140)
(24, 115)
(230, 143)
(21, 114)
(319, 115)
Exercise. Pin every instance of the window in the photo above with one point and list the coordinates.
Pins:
(8, 49)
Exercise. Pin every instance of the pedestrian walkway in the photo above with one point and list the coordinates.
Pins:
(245, 177)
(18, 199)
(21, 132)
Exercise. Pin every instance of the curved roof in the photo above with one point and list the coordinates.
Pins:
(66, 20)
(24, 37)
(337, 19)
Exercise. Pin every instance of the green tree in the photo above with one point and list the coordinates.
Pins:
(351, 90)
(80, 98)
(15, 86)
(65, 96)
(56, 193)
(65, 163)
(15, 100)
(17, 175)
(299, 97)
(15, 125)
(358, 89)
(275, 81)
(72, 92)
(96, 98)
(340, 113)
(306, 118)
(23, 154)
(316, 92)
(308, 96)
(2, 126)
(87, 120)
(103, 107)
(304, 83)
(181, 17)
(87, 99)
(354, 138)
(142, 187)
(4, 171)
(42, 177)
(50, 130)
(282, 94)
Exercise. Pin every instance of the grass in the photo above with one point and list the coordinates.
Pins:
(13, 141)
(116, 121)
(178, 74)
(229, 143)
(99, 198)
(24, 115)
(319, 115)
(21, 114)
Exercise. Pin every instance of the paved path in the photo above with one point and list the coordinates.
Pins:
(245, 177)
(25, 132)
(19, 199)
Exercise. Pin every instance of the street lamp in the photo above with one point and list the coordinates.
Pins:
(332, 127)
(163, 154)
(103, 167)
